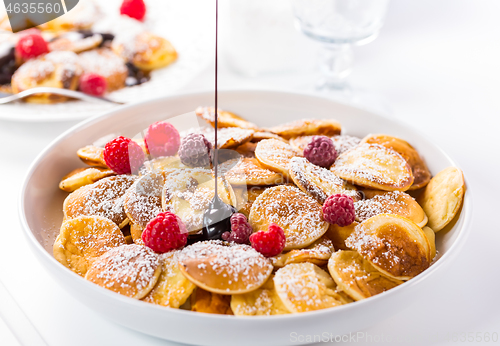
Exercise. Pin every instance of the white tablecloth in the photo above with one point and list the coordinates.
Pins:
(436, 63)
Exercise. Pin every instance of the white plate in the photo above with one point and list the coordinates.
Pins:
(41, 204)
(184, 23)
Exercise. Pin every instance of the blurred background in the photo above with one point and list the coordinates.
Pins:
(435, 66)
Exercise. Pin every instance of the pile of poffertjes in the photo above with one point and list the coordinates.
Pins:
(399, 207)
(125, 58)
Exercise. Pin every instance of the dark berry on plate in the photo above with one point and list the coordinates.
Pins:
(162, 139)
(134, 9)
(269, 243)
(166, 232)
(93, 84)
(240, 229)
(339, 209)
(195, 151)
(123, 155)
(30, 46)
(321, 151)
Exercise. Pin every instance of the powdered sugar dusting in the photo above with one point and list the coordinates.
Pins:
(390, 202)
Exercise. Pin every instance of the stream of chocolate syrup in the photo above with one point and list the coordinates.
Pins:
(217, 219)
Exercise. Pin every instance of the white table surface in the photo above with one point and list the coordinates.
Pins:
(436, 63)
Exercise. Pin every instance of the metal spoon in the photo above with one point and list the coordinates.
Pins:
(7, 98)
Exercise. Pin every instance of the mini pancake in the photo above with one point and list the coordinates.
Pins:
(83, 176)
(56, 69)
(275, 155)
(162, 164)
(83, 239)
(172, 288)
(261, 135)
(393, 244)
(80, 17)
(245, 196)
(212, 303)
(342, 143)
(92, 156)
(224, 119)
(357, 277)
(105, 62)
(130, 270)
(146, 51)
(249, 171)
(417, 164)
(393, 202)
(103, 198)
(262, 301)
(338, 235)
(230, 137)
(306, 287)
(298, 214)
(305, 127)
(443, 197)
(75, 43)
(431, 237)
(136, 233)
(318, 253)
(374, 166)
(247, 149)
(188, 192)
(224, 268)
(142, 201)
(318, 182)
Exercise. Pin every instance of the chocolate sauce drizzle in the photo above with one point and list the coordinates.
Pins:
(217, 219)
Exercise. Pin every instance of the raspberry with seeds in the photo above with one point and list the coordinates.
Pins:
(321, 151)
(123, 155)
(166, 232)
(134, 9)
(240, 229)
(30, 46)
(269, 243)
(339, 209)
(195, 151)
(162, 139)
(93, 84)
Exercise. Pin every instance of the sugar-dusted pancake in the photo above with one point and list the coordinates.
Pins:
(261, 135)
(443, 197)
(275, 155)
(230, 137)
(83, 176)
(103, 198)
(130, 270)
(417, 164)
(56, 70)
(224, 119)
(188, 193)
(163, 163)
(357, 277)
(262, 301)
(306, 287)
(249, 171)
(136, 233)
(92, 156)
(393, 244)
(172, 288)
(342, 143)
(145, 50)
(75, 43)
(83, 239)
(431, 237)
(142, 201)
(224, 268)
(318, 253)
(304, 127)
(318, 182)
(298, 214)
(211, 303)
(392, 202)
(338, 235)
(80, 17)
(374, 166)
(105, 62)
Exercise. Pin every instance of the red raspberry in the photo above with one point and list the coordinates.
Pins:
(339, 209)
(240, 229)
(162, 139)
(321, 151)
(123, 155)
(195, 150)
(93, 84)
(133, 8)
(164, 233)
(30, 46)
(269, 243)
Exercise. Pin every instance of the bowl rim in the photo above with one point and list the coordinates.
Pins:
(464, 231)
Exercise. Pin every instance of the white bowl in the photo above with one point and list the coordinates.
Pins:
(41, 216)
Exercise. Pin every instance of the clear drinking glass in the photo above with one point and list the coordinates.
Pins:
(339, 24)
